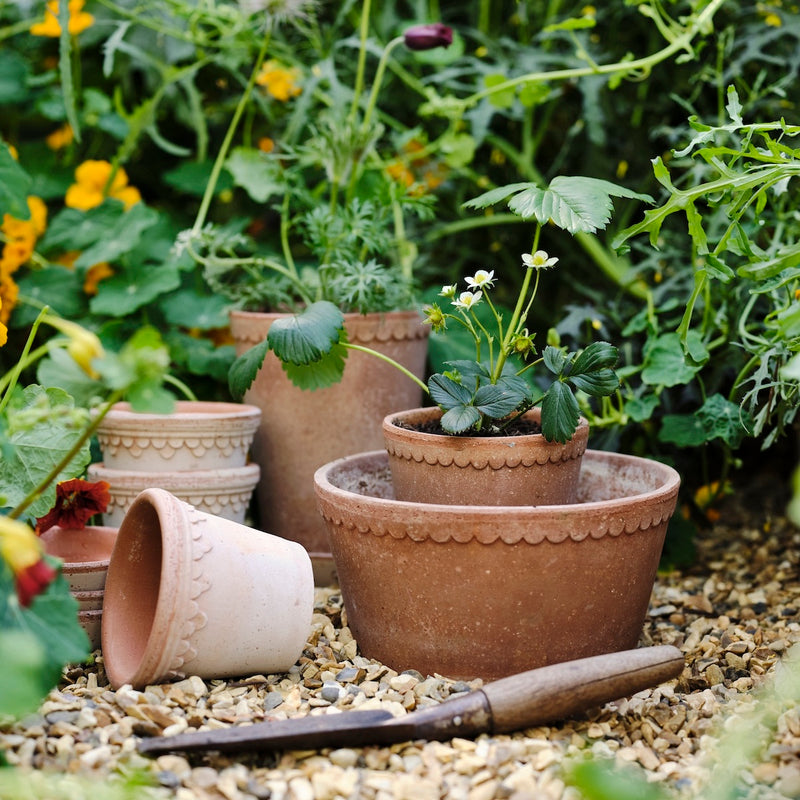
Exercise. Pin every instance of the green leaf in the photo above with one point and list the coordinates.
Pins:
(190, 308)
(496, 401)
(683, 430)
(447, 393)
(640, 409)
(15, 186)
(257, 173)
(724, 420)
(665, 363)
(192, 178)
(305, 338)
(136, 286)
(72, 229)
(596, 356)
(243, 371)
(121, 238)
(572, 24)
(733, 106)
(44, 425)
(457, 149)
(54, 286)
(14, 76)
(320, 374)
(460, 419)
(575, 204)
(554, 359)
(560, 413)
(23, 681)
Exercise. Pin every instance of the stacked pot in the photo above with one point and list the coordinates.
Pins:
(199, 453)
(86, 553)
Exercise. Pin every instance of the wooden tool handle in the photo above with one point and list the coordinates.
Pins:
(559, 691)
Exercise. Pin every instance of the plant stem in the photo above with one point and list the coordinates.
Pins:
(645, 64)
(388, 360)
(9, 380)
(71, 453)
(358, 87)
(216, 170)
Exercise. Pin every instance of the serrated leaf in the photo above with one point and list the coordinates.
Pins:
(494, 196)
(446, 392)
(596, 356)
(724, 420)
(733, 106)
(496, 401)
(560, 413)
(554, 359)
(599, 383)
(243, 371)
(460, 419)
(324, 372)
(573, 203)
(304, 338)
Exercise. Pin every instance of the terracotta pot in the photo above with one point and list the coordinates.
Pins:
(491, 470)
(302, 430)
(190, 593)
(224, 492)
(487, 591)
(196, 436)
(85, 553)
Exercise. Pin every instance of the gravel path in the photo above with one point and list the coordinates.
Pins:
(735, 614)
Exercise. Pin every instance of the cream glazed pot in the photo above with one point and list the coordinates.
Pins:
(189, 593)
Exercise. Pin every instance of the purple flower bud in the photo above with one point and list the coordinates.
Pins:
(426, 37)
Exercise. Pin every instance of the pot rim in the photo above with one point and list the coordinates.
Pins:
(534, 524)
(222, 480)
(165, 641)
(186, 412)
(108, 534)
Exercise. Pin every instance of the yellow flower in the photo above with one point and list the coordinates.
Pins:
(84, 346)
(280, 82)
(266, 145)
(79, 20)
(18, 544)
(20, 235)
(9, 292)
(91, 186)
(60, 137)
(3, 329)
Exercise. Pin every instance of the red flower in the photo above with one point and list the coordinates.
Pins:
(76, 502)
(426, 37)
(33, 580)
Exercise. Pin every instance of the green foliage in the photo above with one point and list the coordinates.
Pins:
(575, 204)
(36, 643)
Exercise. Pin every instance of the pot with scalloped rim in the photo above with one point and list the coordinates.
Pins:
(485, 591)
(519, 470)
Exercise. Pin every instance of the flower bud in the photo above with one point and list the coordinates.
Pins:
(426, 37)
(84, 346)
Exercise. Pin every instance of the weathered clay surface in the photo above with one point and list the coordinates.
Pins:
(535, 585)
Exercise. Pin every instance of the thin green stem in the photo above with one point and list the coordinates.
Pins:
(388, 360)
(358, 87)
(88, 432)
(641, 65)
(216, 170)
(10, 379)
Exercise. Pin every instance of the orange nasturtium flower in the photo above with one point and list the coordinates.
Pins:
(79, 20)
(23, 552)
(60, 137)
(77, 501)
(279, 81)
(90, 187)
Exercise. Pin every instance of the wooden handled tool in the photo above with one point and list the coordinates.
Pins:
(525, 700)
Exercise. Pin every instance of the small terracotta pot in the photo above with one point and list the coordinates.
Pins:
(302, 430)
(224, 492)
(190, 593)
(85, 553)
(197, 435)
(490, 470)
(487, 591)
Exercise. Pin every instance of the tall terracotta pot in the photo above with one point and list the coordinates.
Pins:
(190, 593)
(487, 591)
(302, 430)
(522, 470)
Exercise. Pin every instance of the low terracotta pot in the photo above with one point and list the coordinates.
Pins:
(190, 593)
(302, 430)
(197, 435)
(224, 492)
(490, 470)
(487, 591)
(85, 553)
